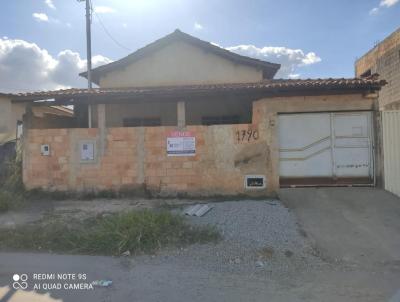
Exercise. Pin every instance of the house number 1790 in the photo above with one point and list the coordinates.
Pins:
(247, 135)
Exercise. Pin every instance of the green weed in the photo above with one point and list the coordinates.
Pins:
(135, 231)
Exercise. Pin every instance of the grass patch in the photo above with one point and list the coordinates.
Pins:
(10, 200)
(135, 231)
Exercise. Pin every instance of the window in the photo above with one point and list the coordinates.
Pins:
(142, 122)
(220, 120)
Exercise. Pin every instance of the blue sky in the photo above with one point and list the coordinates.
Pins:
(329, 34)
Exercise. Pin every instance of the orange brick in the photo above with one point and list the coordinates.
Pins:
(58, 139)
(177, 165)
(187, 165)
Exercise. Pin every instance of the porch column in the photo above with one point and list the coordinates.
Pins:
(89, 116)
(101, 124)
(181, 114)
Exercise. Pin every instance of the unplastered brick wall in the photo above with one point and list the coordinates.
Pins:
(137, 157)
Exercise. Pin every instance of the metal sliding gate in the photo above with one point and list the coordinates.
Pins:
(326, 148)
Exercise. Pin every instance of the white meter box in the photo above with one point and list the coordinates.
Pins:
(87, 151)
(45, 150)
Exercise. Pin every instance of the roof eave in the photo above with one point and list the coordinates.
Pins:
(276, 91)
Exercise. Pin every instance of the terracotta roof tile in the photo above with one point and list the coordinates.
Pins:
(268, 86)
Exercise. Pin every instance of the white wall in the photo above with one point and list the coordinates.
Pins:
(391, 150)
(180, 63)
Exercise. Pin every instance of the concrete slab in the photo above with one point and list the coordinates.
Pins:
(358, 225)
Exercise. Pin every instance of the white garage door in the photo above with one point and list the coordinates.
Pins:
(325, 146)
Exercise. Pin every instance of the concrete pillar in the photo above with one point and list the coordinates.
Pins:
(141, 155)
(101, 124)
(27, 123)
(268, 127)
(181, 114)
(89, 116)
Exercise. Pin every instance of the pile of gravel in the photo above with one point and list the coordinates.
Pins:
(258, 237)
(254, 224)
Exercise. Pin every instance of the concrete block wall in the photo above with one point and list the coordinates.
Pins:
(384, 59)
(388, 66)
(136, 157)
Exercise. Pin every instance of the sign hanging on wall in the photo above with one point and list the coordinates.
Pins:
(181, 143)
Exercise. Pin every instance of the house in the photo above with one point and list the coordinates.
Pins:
(183, 116)
(11, 124)
(384, 59)
(11, 115)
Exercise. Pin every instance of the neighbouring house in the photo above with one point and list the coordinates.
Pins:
(11, 115)
(384, 59)
(181, 115)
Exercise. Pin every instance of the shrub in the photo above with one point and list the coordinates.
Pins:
(12, 189)
(13, 181)
(4, 201)
(9, 200)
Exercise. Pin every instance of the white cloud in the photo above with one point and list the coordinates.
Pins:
(198, 26)
(104, 10)
(388, 3)
(290, 59)
(383, 4)
(374, 11)
(25, 66)
(50, 4)
(294, 76)
(40, 17)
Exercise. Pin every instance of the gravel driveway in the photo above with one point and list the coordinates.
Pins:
(259, 237)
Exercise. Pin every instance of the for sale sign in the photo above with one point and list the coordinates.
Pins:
(181, 143)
